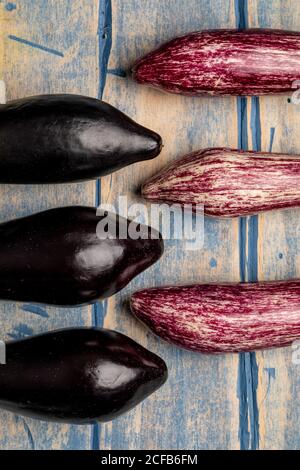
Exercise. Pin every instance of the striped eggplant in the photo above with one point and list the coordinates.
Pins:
(229, 183)
(65, 257)
(224, 62)
(66, 138)
(78, 375)
(222, 318)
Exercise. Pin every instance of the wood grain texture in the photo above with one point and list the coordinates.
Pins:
(278, 248)
(197, 408)
(48, 46)
(70, 28)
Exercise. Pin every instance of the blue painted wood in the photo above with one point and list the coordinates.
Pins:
(200, 396)
(209, 402)
(46, 47)
(104, 48)
(248, 370)
(251, 381)
(278, 247)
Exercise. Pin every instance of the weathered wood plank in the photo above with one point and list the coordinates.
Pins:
(278, 248)
(68, 29)
(198, 407)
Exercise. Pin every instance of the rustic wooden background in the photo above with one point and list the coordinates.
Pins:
(248, 401)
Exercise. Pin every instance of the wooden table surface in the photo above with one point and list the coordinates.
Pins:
(245, 401)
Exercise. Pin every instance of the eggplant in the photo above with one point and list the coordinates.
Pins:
(60, 257)
(222, 318)
(224, 62)
(229, 183)
(66, 138)
(78, 376)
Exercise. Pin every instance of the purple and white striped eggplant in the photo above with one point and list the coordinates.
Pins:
(224, 62)
(212, 318)
(229, 183)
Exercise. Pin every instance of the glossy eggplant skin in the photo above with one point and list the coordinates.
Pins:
(78, 375)
(57, 256)
(66, 138)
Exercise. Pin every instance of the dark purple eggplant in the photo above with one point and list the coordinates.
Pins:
(65, 138)
(80, 375)
(56, 257)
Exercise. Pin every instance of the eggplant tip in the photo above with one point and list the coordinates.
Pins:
(162, 373)
(146, 191)
(136, 74)
(156, 144)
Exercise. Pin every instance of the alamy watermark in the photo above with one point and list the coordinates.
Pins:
(296, 95)
(173, 222)
(296, 353)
